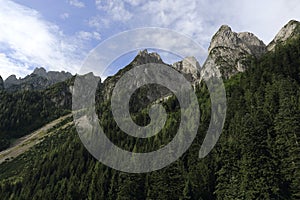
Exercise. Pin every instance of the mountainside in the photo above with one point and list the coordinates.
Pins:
(23, 144)
(40, 79)
(22, 112)
(256, 157)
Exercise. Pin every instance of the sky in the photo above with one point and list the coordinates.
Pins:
(59, 34)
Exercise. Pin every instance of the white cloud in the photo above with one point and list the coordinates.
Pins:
(182, 16)
(85, 35)
(264, 18)
(27, 41)
(8, 67)
(98, 22)
(65, 16)
(115, 9)
(200, 19)
(76, 3)
(134, 2)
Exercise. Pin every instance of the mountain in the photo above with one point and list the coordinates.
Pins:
(228, 52)
(256, 157)
(289, 31)
(11, 82)
(1, 83)
(23, 111)
(40, 79)
(143, 57)
(190, 67)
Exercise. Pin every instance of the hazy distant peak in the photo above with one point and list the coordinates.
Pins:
(38, 80)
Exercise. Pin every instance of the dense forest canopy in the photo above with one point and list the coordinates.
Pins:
(24, 111)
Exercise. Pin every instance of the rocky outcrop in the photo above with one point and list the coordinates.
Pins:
(61, 94)
(289, 31)
(228, 52)
(190, 67)
(40, 72)
(40, 79)
(144, 57)
(52, 76)
(12, 83)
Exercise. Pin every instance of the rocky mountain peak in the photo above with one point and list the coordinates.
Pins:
(144, 57)
(40, 72)
(224, 37)
(290, 30)
(190, 67)
(228, 51)
(11, 80)
(143, 52)
(38, 80)
(252, 44)
(246, 41)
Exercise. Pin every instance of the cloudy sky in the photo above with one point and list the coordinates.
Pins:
(58, 34)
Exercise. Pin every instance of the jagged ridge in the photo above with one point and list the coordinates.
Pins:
(40, 79)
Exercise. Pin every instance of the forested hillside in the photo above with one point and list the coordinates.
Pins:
(24, 111)
(257, 156)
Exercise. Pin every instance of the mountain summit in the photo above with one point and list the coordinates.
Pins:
(144, 57)
(40, 72)
(228, 51)
(289, 31)
(245, 41)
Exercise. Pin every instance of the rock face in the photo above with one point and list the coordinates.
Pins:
(12, 82)
(1, 83)
(190, 67)
(143, 57)
(228, 51)
(40, 79)
(147, 94)
(40, 72)
(290, 30)
(52, 76)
